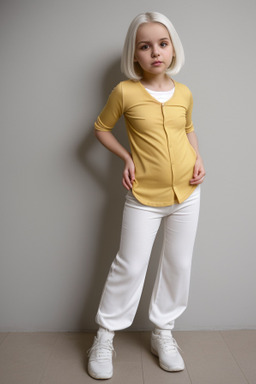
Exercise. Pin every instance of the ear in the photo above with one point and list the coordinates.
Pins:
(135, 59)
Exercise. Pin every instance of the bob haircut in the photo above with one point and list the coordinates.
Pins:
(132, 69)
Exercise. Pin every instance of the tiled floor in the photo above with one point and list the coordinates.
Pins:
(211, 357)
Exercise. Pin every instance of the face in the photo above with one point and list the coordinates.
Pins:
(153, 48)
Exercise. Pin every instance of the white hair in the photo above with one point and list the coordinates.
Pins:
(132, 69)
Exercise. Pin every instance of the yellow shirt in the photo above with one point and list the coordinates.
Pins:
(163, 156)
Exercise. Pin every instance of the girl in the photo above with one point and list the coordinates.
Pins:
(162, 175)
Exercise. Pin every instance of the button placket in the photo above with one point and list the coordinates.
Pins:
(169, 146)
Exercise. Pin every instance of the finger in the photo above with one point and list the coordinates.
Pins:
(201, 173)
(130, 172)
(125, 184)
(197, 180)
(127, 179)
(196, 171)
(132, 176)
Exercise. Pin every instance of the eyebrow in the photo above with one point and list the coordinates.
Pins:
(146, 42)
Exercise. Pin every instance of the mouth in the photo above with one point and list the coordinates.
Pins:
(156, 63)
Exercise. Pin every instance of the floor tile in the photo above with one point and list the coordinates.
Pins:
(128, 346)
(68, 359)
(127, 373)
(208, 359)
(23, 357)
(3, 335)
(61, 358)
(242, 345)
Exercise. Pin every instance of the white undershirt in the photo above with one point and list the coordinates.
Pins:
(161, 96)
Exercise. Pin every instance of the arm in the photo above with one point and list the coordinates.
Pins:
(199, 171)
(112, 144)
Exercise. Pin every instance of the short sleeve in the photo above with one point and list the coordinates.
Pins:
(112, 111)
(189, 124)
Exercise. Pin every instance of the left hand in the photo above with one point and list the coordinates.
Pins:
(199, 172)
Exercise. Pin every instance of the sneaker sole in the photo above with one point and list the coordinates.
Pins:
(100, 377)
(173, 369)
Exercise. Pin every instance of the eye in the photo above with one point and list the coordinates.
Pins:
(164, 44)
(144, 47)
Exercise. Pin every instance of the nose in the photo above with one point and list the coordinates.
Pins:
(155, 51)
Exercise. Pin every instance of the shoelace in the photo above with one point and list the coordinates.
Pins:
(101, 350)
(168, 343)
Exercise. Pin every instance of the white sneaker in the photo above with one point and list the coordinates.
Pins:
(100, 364)
(165, 347)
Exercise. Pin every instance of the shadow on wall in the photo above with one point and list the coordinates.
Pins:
(108, 236)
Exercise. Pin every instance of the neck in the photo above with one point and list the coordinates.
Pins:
(157, 83)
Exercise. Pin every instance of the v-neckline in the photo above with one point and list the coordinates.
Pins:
(152, 97)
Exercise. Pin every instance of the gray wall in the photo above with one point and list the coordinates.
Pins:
(61, 193)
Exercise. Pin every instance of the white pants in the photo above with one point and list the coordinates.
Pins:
(123, 288)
